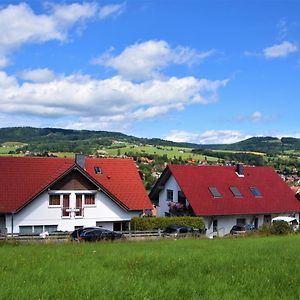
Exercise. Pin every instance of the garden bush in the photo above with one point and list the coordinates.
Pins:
(152, 223)
(281, 227)
(276, 228)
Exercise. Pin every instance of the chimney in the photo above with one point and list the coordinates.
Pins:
(80, 160)
(240, 169)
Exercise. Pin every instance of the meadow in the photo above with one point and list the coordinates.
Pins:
(170, 152)
(232, 268)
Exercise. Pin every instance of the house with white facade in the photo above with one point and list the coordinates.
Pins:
(40, 194)
(224, 195)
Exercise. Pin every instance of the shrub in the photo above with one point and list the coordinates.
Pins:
(152, 223)
(281, 227)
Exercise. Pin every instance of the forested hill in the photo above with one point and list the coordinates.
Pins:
(55, 139)
(259, 144)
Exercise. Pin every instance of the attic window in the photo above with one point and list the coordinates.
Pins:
(255, 191)
(214, 191)
(98, 170)
(235, 191)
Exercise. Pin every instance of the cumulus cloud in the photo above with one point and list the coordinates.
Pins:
(207, 137)
(280, 50)
(146, 60)
(112, 10)
(111, 99)
(20, 25)
(37, 75)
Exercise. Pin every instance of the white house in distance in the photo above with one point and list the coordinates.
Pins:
(224, 195)
(40, 194)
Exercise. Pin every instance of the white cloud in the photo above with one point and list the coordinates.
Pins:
(112, 10)
(257, 116)
(146, 60)
(208, 137)
(38, 75)
(112, 99)
(19, 25)
(280, 50)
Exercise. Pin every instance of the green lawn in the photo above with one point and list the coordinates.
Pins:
(237, 268)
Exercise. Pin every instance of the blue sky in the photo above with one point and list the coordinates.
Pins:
(194, 71)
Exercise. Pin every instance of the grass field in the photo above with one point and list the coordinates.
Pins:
(238, 268)
(185, 153)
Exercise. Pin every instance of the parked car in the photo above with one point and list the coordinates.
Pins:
(180, 231)
(290, 220)
(99, 234)
(75, 235)
(242, 229)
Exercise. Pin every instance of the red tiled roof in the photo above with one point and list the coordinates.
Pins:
(195, 181)
(121, 178)
(23, 178)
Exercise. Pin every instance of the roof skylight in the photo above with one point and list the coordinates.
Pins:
(255, 191)
(98, 170)
(214, 191)
(235, 191)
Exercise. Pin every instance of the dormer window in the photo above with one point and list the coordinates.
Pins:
(255, 191)
(235, 191)
(214, 191)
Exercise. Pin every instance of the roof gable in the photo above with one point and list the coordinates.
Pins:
(24, 178)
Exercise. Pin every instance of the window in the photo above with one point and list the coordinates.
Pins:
(50, 228)
(241, 221)
(255, 191)
(36, 229)
(235, 191)
(214, 191)
(181, 198)
(89, 199)
(169, 195)
(66, 206)
(24, 230)
(79, 212)
(54, 200)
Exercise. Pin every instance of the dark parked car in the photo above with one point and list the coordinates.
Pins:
(180, 231)
(75, 235)
(98, 234)
(242, 229)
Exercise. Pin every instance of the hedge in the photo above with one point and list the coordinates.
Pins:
(152, 223)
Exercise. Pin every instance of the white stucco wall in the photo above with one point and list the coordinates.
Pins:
(171, 184)
(38, 212)
(225, 223)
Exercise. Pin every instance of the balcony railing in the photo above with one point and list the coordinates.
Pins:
(66, 212)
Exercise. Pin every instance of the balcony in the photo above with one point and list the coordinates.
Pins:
(66, 212)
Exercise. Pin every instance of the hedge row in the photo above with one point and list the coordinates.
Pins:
(152, 223)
